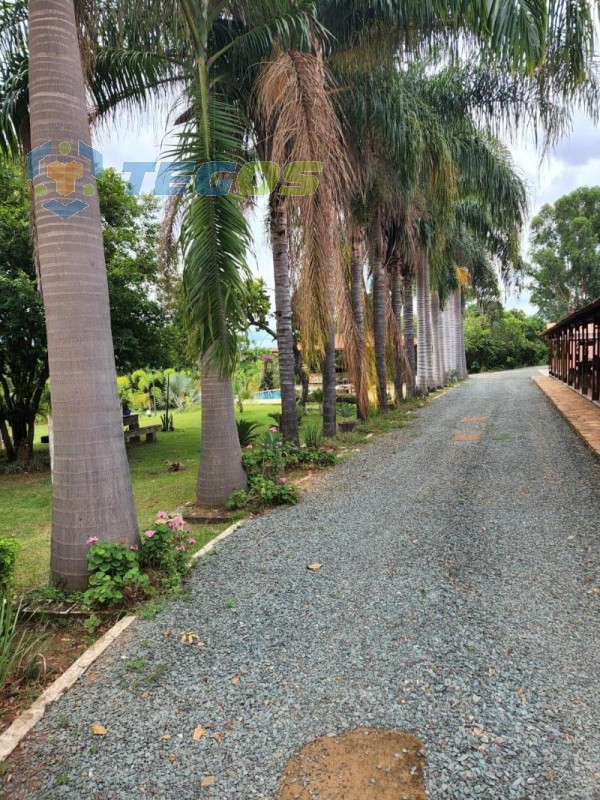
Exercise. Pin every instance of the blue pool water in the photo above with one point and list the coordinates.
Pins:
(273, 394)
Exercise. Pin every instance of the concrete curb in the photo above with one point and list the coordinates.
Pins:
(214, 542)
(14, 735)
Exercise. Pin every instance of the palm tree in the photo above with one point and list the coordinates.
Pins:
(296, 122)
(91, 487)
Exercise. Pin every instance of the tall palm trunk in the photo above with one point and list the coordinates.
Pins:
(91, 488)
(457, 332)
(450, 310)
(379, 326)
(425, 369)
(396, 276)
(358, 302)
(464, 373)
(221, 471)
(438, 341)
(283, 317)
(409, 329)
(446, 342)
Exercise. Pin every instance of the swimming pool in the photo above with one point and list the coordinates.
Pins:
(272, 394)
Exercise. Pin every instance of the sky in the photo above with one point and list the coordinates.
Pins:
(574, 162)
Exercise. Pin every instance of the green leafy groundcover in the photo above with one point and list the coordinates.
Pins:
(266, 464)
(123, 574)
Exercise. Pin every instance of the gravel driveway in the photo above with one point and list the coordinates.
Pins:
(456, 601)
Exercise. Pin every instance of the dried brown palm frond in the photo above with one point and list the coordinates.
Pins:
(295, 106)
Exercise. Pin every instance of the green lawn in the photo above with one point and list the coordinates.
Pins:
(25, 499)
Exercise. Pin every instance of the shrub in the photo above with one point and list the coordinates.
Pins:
(165, 545)
(345, 410)
(114, 574)
(316, 396)
(263, 492)
(247, 431)
(313, 433)
(9, 549)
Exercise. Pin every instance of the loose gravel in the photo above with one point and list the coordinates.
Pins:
(458, 601)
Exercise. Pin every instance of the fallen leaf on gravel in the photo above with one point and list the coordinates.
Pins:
(521, 693)
(189, 637)
(235, 680)
(165, 737)
(207, 782)
(167, 633)
(314, 567)
(172, 759)
(145, 695)
(99, 730)
(198, 734)
(218, 737)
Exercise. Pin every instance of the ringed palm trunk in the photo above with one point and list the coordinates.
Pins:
(425, 374)
(452, 350)
(283, 317)
(397, 312)
(221, 471)
(409, 329)
(358, 299)
(446, 343)
(438, 342)
(379, 326)
(329, 399)
(91, 487)
(457, 332)
(462, 349)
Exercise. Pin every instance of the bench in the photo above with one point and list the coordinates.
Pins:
(133, 435)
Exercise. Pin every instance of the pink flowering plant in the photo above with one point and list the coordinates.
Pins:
(122, 573)
(164, 546)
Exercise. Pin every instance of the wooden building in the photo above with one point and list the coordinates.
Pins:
(574, 345)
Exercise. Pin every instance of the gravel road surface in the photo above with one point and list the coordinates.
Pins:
(458, 600)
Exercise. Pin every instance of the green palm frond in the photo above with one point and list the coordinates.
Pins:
(214, 233)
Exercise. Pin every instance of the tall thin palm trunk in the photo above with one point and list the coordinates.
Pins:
(396, 280)
(438, 341)
(358, 302)
(221, 471)
(457, 337)
(409, 329)
(464, 373)
(283, 318)
(446, 343)
(329, 398)
(91, 487)
(379, 327)
(425, 370)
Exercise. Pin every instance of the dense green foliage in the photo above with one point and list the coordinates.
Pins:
(142, 332)
(23, 357)
(9, 549)
(500, 339)
(565, 254)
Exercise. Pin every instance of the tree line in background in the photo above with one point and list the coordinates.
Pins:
(400, 102)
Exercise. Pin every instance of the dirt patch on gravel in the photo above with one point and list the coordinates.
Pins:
(365, 764)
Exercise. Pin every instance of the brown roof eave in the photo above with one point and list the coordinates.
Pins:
(587, 313)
